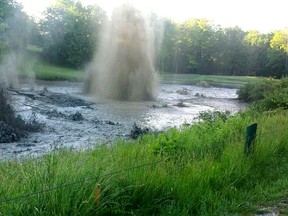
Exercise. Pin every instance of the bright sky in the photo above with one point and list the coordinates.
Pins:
(262, 15)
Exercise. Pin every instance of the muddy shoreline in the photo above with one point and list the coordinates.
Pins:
(74, 120)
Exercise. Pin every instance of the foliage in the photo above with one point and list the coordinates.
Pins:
(266, 95)
(211, 117)
(252, 92)
(70, 32)
(257, 51)
(169, 144)
(277, 99)
(168, 47)
(201, 47)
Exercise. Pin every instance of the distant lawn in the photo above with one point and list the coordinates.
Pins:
(45, 71)
(214, 80)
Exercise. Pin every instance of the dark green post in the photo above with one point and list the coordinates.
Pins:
(250, 138)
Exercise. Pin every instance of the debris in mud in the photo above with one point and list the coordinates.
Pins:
(180, 104)
(31, 95)
(53, 114)
(77, 116)
(107, 122)
(111, 123)
(44, 92)
(138, 131)
(61, 99)
(154, 106)
(183, 91)
(199, 95)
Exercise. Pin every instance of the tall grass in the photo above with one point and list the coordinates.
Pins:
(200, 170)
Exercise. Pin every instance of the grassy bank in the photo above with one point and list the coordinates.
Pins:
(51, 72)
(221, 81)
(45, 71)
(199, 170)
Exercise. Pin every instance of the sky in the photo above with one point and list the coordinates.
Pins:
(262, 15)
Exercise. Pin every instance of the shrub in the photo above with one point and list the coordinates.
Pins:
(256, 91)
(12, 127)
(209, 116)
(266, 96)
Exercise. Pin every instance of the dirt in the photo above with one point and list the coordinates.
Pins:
(73, 120)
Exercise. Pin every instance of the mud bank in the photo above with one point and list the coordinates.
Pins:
(74, 120)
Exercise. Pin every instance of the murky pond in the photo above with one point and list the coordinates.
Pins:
(72, 119)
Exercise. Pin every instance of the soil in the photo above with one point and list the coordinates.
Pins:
(71, 119)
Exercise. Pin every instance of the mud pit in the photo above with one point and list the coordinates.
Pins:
(72, 119)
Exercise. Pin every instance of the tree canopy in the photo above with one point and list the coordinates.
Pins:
(70, 32)
(199, 46)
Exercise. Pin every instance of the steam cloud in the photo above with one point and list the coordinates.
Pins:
(16, 58)
(123, 67)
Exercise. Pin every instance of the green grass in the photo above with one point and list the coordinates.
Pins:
(214, 80)
(51, 72)
(203, 171)
(33, 49)
(45, 71)
(31, 67)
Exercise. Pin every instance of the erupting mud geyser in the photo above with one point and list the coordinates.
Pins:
(123, 67)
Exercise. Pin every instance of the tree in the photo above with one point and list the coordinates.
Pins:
(235, 54)
(195, 45)
(168, 51)
(70, 32)
(12, 26)
(277, 58)
(257, 45)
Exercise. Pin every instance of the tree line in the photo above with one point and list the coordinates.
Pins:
(199, 46)
(68, 34)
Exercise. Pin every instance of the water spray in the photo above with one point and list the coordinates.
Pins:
(123, 67)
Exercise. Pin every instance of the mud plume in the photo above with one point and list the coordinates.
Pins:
(123, 67)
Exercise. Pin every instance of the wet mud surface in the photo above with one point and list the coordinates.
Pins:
(74, 120)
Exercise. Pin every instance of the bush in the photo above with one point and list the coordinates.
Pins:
(209, 116)
(252, 92)
(266, 96)
(12, 127)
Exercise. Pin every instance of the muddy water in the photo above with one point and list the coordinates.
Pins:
(72, 119)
